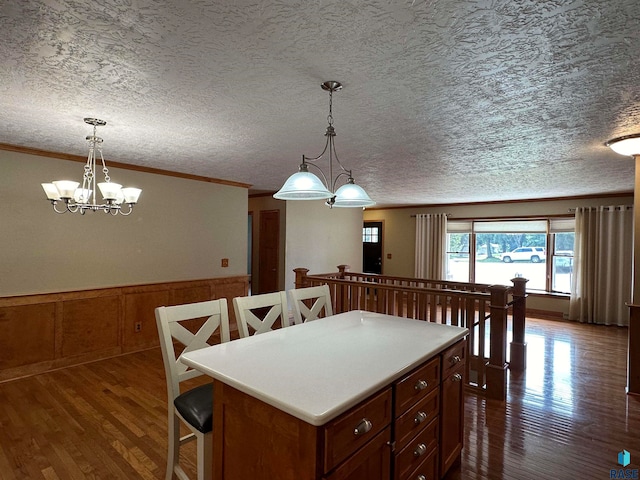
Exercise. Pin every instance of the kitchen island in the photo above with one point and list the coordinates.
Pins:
(354, 395)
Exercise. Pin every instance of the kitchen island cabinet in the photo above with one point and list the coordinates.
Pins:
(348, 397)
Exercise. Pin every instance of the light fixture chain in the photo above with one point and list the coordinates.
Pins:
(330, 117)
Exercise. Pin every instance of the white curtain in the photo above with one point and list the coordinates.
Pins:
(602, 267)
(431, 240)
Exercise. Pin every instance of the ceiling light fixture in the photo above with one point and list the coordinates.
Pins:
(626, 145)
(84, 198)
(305, 185)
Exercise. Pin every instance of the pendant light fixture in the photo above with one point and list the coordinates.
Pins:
(305, 185)
(626, 145)
(76, 199)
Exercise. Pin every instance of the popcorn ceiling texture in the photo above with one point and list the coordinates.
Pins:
(443, 101)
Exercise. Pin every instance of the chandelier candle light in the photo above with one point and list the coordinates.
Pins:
(80, 199)
(305, 185)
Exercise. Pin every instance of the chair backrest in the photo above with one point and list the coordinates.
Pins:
(216, 317)
(308, 303)
(259, 313)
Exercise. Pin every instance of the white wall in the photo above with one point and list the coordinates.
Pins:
(180, 230)
(320, 238)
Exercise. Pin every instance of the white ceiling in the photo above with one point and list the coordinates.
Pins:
(444, 101)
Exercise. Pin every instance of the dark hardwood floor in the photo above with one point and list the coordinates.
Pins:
(567, 416)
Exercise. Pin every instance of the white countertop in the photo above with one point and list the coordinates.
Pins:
(317, 370)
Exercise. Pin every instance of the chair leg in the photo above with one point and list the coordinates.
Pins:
(205, 456)
(173, 454)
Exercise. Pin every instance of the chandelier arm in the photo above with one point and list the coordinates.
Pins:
(54, 203)
(346, 173)
(128, 212)
(335, 155)
(308, 161)
(326, 146)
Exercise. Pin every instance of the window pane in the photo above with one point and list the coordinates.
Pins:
(370, 234)
(503, 256)
(458, 257)
(562, 266)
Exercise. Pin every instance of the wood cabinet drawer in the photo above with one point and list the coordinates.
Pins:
(354, 428)
(427, 470)
(371, 462)
(416, 418)
(422, 445)
(453, 357)
(417, 385)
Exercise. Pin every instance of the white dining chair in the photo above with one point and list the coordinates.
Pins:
(194, 407)
(257, 314)
(311, 303)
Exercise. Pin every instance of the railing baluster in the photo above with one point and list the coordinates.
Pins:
(453, 303)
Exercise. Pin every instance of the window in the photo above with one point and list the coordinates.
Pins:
(539, 250)
(370, 234)
(562, 259)
(457, 267)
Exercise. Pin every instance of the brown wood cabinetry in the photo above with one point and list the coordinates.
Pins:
(408, 430)
(452, 405)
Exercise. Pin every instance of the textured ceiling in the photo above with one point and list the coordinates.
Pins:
(443, 102)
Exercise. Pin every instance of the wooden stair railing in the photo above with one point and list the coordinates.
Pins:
(483, 309)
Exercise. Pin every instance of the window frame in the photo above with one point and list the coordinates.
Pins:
(552, 225)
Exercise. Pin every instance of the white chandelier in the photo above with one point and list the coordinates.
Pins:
(78, 199)
(305, 185)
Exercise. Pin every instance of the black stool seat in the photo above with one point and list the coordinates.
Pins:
(196, 407)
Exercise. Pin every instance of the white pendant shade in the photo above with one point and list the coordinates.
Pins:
(66, 188)
(303, 186)
(629, 145)
(82, 195)
(352, 195)
(131, 194)
(109, 190)
(51, 191)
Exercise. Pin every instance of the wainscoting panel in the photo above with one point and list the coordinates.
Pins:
(139, 309)
(90, 325)
(28, 334)
(50, 331)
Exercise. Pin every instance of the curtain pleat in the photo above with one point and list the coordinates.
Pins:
(431, 239)
(603, 258)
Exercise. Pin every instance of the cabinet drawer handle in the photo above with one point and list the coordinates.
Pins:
(455, 359)
(421, 385)
(421, 477)
(419, 418)
(363, 427)
(456, 377)
(420, 450)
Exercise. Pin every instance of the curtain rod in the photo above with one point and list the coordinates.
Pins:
(627, 207)
(414, 215)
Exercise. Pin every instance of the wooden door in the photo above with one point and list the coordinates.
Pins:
(372, 247)
(268, 251)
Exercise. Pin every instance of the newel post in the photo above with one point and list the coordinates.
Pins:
(342, 269)
(518, 360)
(497, 364)
(301, 277)
(633, 365)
